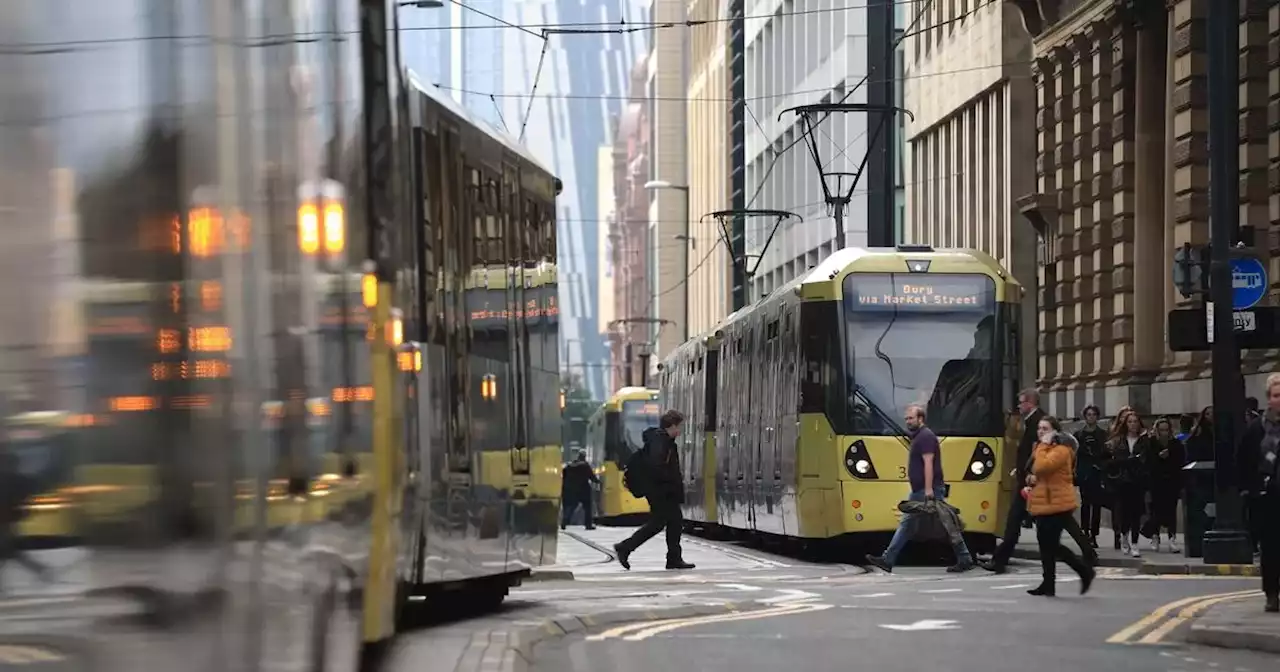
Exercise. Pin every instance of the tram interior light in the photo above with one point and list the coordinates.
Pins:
(369, 290)
(308, 229)
(334, 228)
(489, 387)
(395, 329)
(561, 400)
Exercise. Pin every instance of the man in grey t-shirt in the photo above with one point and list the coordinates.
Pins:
(924, 472)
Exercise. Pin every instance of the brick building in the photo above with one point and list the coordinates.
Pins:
(1122, 180)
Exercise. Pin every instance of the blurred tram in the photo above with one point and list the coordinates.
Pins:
(797, 401)
(278, 352)
(614, 432)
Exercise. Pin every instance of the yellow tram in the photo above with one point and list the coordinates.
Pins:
(797, 401)
(613, 433)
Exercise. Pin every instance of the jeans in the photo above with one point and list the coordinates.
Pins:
(907, 530)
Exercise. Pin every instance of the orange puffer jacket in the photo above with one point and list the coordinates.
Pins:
(1055, 490)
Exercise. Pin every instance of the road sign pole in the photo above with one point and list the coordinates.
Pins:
(1226, 543)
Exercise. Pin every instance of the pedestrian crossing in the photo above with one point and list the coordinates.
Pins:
(590, 553)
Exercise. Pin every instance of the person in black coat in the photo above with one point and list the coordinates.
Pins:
(576, 480)
(1125, 480)
(1029, 406)
(1092, 440)
(664, 491)
(1258, 465)
(1165, 456)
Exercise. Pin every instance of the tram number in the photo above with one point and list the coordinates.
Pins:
(902, 472)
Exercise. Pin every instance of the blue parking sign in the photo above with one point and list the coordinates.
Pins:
(1248, 282)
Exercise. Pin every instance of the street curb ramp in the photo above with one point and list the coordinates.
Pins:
(1190, 569)
(1127, 563)
(512, 650)
(1234, 638)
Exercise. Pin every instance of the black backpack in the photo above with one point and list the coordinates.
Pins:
(637, 474)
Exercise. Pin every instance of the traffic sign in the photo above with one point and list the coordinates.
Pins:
(1248, 282)
(1255, 328)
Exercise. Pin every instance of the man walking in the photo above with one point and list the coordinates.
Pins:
(924, 472)
(664, 489)
(576, 489)
(1029, 406)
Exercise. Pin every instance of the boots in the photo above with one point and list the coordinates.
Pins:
(1273, 604)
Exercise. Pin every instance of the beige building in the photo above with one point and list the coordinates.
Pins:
(970, 149)
(708, 152)
(1122, 181)
(668, 208)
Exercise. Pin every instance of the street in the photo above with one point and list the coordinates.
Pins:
(824, 617)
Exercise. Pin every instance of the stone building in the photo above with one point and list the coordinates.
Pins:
(1122, 181)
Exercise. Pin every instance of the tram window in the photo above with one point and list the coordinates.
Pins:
(771, 331)
(818, 333)
(712, 382)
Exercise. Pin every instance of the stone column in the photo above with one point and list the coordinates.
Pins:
(1149, 281)
(1098, 247)
(1046, 183)
(1190, 152)
(1064, 63)
(1254, 194)
(1124, 62)
(1083, 47)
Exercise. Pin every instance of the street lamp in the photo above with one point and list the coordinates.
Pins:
(661, 185)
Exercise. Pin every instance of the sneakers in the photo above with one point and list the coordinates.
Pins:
(1154, 545)
(879, 562)
(1173, 545)
(961, 567)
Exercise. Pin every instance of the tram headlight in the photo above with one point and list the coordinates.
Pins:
(857, 461)
(982, 463)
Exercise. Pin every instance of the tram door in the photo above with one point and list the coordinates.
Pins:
(767, 477)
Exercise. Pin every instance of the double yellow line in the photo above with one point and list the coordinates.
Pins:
(634, 632)
(1158, 624)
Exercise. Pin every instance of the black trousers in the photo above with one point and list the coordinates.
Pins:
(1269, 509)
(1018, 514)
(570, 505)
(1091, 511)
(1049, 534)
(663, 514)
(1127, 515)
(1164, 511)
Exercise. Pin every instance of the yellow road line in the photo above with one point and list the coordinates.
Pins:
(633, 627)
(1189, 612)
(747, 616)
(1154, 617)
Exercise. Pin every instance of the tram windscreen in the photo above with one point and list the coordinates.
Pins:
(638, 416)
(922, 339)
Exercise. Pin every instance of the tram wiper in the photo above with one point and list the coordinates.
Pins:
(887, 419)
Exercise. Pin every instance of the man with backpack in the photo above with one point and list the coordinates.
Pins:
(653, 472)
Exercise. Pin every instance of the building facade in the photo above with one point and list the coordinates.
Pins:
(970, 145)
(708, 156)
(628, 235)
(669, 227)
(814, 51)
(582, 85)
(1122, 181)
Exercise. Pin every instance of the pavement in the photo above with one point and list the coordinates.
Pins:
(745, 609)
(1237, 624)
(1163, 561)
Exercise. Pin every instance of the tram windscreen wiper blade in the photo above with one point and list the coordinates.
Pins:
(884, 417)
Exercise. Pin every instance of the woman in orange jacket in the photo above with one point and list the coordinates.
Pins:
(1051, 498)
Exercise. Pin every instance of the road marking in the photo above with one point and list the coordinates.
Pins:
(874, 595)
(927, 624)
(1164, 611)
(942, 590)
(789, 596)
(1188, 612)
(665, 625)
(1011, 586)
(24, 655)
(739, 586)
(749, 616)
